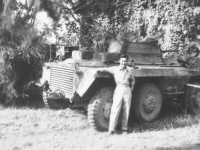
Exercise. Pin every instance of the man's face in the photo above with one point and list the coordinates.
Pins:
(123, 62)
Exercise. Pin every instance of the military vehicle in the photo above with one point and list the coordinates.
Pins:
(76, 82)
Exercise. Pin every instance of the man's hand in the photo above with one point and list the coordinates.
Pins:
(98, 71)
(95, 75)
(132, 88)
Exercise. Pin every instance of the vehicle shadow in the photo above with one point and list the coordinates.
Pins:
(195, 146)
(172, 116)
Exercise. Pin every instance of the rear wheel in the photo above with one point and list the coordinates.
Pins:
(193, 100)
(99, 108)
(147, 102)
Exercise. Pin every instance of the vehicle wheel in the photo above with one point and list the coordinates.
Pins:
(193, 100)
(147, 102)
(99, 108)
(55, 103)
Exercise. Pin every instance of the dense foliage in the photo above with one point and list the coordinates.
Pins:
(20, 50)
(135, 20)
(98, 22)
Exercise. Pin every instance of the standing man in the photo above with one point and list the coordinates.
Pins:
(125, 81)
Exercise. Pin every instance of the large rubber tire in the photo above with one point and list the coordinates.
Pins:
(146, 103)
(55, 104)
(99, 108)
(193, 100)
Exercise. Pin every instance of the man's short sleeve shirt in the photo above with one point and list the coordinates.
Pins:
(123, 76)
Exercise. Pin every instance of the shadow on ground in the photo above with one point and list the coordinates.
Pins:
(183, 147)
(172, 116)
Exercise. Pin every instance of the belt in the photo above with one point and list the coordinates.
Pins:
(123, 84)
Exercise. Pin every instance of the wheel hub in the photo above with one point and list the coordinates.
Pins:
(149, 103)
(106, 109)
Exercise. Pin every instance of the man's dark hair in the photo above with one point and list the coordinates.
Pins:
(124, 56)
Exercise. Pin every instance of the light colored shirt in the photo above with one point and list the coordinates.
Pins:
(122, 76)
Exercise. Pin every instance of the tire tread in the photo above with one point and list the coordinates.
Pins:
(93, 108)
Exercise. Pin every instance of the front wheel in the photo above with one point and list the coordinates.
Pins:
(99, 108)
(147, 102)
(52, 103)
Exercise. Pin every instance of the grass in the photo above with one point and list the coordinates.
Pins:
(35, 129)
(171, 118)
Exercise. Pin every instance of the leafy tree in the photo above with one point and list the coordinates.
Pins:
(64, 17)
(96, 22)
(84, 16)
(134, 20)
(21, 47)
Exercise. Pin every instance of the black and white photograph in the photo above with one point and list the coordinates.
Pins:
(99, 74)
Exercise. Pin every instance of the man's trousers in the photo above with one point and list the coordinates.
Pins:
(121, 99)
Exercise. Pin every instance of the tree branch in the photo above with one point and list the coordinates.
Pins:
(64, 7)
(27, 15)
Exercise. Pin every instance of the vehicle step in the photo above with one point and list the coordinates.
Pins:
(174, 93)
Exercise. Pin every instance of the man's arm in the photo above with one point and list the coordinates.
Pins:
(132, 81)
(108, 70)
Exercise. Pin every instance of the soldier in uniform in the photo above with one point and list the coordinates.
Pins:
(125, 81)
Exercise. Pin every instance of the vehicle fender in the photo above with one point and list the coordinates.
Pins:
(86, 81)
(88, 78)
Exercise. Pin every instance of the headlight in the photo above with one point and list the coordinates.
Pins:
(78, 72)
